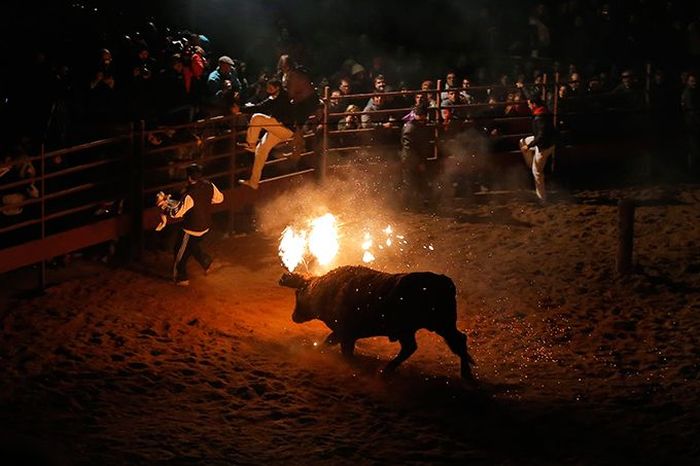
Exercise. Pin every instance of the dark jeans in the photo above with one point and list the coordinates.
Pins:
(186, 246)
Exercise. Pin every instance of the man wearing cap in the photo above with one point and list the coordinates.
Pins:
(222, 82)
(195, 210)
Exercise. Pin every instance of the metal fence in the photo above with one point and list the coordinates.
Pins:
(104, 190)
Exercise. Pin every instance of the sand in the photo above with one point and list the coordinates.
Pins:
(575, 364)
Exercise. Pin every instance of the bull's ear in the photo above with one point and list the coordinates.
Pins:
(293, 280)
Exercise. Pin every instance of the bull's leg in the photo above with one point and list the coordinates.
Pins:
(347, 347)
(332, 339)
(408, 347)
(457, 341)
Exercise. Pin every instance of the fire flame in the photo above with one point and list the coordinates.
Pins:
(366, 244)
(292, 248)
(321, 240)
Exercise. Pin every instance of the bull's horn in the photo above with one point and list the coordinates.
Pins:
(293, 280)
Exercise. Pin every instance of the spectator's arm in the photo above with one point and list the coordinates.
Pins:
(235, 82)
(197, 66)
(261, 107)
(217, 197)
(214, 84)
(366, 120)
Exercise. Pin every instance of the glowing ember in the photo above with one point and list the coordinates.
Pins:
(367, 243)
(367, 257)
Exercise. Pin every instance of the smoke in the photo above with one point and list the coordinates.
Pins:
(364, 200)
(465, 160)
(360, 194)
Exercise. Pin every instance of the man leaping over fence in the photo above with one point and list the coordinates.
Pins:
(282, 116)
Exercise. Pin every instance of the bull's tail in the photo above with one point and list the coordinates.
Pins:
(469, 358)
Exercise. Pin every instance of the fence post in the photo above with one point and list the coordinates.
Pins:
(438, 99)
(42, 271)
(438, 118)
(555, 110)
(544, 87)
(647, 86)
(137, 167)
(231, 228)
(625, 235)
(322, 165)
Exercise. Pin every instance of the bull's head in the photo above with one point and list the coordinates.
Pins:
(303, 311)
(293, 280)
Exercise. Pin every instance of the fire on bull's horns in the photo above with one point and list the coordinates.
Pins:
(322, 241)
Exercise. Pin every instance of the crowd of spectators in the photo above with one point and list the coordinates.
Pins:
(596, 51)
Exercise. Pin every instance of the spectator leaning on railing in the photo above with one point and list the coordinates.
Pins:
(14, 169)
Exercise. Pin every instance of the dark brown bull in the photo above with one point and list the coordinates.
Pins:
(358, 302)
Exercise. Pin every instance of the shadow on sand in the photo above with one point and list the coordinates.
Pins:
(510, 431)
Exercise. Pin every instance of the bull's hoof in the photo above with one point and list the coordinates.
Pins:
(468, 378)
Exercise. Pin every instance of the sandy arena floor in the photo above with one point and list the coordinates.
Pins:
(576, 365)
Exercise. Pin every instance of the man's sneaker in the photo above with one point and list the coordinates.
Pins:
(245, 146)
(248, 183)
(182, 282)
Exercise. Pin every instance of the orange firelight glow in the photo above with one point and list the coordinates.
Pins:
(323, 239)
(320, 243)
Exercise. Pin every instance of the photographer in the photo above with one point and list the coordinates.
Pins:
(141, 86)
(102, 105)
(222, 82)
(144, 64)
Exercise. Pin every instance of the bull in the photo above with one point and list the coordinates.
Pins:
(358, 302)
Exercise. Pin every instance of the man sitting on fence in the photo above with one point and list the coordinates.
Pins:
(288, 111)
(537, 148)
(274, 115)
